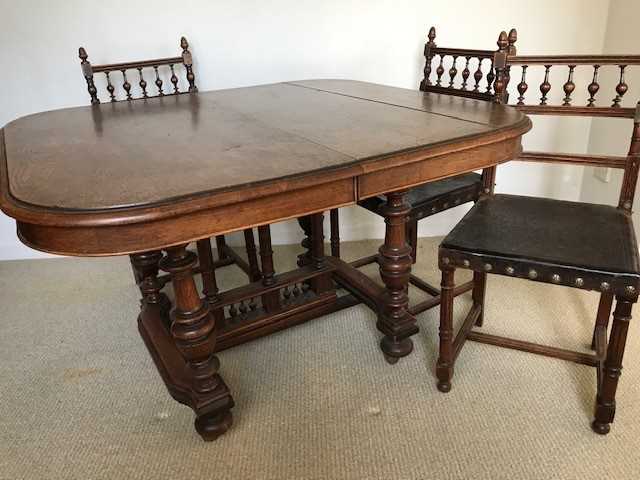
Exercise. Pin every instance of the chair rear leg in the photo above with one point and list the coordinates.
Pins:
(444, 367)
(606, 399)
(478, 294)
(604, 313)
(335, 233)
(221, 243)
(252, 255)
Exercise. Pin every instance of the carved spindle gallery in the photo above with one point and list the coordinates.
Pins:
(569, 87)
(593, 87)
(522, 86)
(142, 83)
(621, 88)
(545, 86)
(453, 71)
(158, 82)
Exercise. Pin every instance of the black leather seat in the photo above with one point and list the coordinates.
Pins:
(559, 239)
(434, 197)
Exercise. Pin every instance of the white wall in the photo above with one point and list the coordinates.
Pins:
(612, 136)
(251, 42)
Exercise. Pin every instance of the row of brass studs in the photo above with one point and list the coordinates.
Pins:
(533, 274)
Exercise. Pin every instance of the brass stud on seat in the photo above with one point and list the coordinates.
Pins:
(604, 286)
(510, 270)
(445, 260)
(533, 274)
(555, 278)
(466, 263)
(579, 282)
(487, 267)
(630, 289)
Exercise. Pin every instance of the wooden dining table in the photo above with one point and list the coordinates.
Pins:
(147, 178)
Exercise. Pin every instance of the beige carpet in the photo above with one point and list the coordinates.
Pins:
(81, 399)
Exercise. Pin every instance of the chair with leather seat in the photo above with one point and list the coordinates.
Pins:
(577, 245)
(474, 81)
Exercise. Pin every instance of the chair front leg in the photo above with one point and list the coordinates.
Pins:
(478, 294)
(444, 367)
(604, 313)
(606, 399)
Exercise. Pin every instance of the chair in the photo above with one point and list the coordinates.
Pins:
(226, 255)
(577, 245)
(439, 196)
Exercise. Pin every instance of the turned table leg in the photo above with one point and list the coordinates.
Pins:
(193, 331)
(606, 400)
(394, 321)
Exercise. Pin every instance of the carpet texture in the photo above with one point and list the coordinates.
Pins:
(80, 397)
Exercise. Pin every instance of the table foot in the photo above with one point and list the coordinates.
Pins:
(211, 426)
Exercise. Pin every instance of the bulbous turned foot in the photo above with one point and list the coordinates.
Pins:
(393, 350)
(211, 426)
(444, 387)
(601, 428)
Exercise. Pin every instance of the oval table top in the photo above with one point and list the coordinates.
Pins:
(126, 162)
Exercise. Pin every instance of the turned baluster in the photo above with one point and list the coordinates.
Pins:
(621, 88)
(209, 282)
(522, 86)
(593, 87)
(145, 267)
(110, 88)
(142, 83)
(321, 283)
(158, 82)
(126, 85)
(490, 77)
(545, 86)
(428, 49)
(569, 87)
(174, 79)
(188, 64)
(253, 305)
(87, 72)
(465, 74)
(453, 71)
(440, 72)
(477, 75)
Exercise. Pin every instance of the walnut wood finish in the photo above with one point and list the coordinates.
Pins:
(320, 147)
(492, 238)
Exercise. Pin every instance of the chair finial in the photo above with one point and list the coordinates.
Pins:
(513, 38)
(82, 53)
(184, 44)
(503, 41)
(432, 34)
